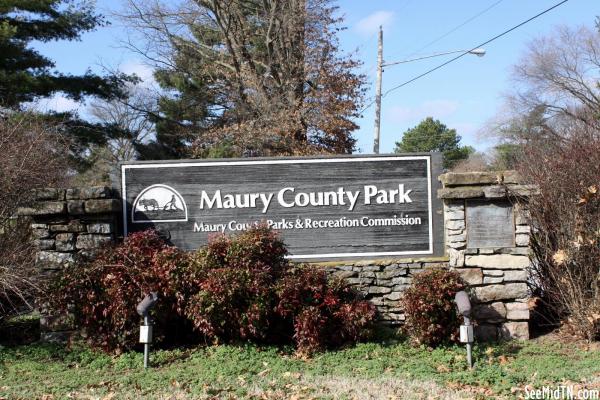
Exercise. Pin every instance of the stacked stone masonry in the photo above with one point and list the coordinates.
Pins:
(383, 282)
(69, 225)
(497, 276)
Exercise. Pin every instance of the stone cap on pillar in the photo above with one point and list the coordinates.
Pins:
(490, 185)
(71, 201)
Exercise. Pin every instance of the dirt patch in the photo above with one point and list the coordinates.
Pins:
(565, 335)
(336, 387)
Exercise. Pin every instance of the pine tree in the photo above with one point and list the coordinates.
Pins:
(250, 77)
(25, 74)
(432, 135)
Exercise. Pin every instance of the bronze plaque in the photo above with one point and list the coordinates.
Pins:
(490, 224)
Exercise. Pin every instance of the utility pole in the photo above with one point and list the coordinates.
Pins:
(380, 65)
(378, 91)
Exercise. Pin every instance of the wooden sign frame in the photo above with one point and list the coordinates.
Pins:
(168, 195)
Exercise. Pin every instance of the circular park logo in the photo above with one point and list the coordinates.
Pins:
(159, 203)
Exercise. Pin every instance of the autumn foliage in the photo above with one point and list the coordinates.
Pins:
(236, 289)
(251, 78)
(431, 316)
(566, 236)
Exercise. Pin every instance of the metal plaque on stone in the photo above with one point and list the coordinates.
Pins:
(490, 224)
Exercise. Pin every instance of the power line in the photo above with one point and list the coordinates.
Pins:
(456, 28)
(478, 46)
(466, 52)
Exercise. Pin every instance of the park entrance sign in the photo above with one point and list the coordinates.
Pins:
(325, 208)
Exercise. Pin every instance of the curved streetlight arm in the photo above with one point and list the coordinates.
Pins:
(477, 52)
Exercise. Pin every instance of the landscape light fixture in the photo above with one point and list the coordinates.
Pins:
(143, 309)
(466, 330)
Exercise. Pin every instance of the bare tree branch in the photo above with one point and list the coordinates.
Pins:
(272, 68)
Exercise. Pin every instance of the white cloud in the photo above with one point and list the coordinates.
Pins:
(435, 108)
(370, 24)
(58, 102)
(143, 71)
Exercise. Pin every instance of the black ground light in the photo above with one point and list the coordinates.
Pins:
(143, 308)
(466, 330)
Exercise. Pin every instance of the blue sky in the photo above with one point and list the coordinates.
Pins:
(464, 95)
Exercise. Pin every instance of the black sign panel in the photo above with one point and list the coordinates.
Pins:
(324, 208)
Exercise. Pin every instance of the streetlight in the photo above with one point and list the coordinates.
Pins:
(477, 52)
(380, 64)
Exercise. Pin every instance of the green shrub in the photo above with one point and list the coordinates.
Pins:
(431, 316)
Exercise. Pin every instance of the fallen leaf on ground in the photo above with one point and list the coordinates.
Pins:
(442, 369)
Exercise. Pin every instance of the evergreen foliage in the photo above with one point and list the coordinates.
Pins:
(432, 135)
(25, 74)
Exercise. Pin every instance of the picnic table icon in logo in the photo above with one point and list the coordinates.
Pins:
(159, 203)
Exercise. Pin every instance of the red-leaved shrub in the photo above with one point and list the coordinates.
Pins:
(324, 312)
(238, 288)
(250, 292)
(431, 316)
(103, 294)
(236, 295)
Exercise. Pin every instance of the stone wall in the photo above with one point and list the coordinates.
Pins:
(497, 275)
(68, 225)
(383, 281)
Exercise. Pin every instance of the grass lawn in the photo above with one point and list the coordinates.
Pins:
(389, 369)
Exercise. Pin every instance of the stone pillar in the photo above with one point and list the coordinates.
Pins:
(490, 252)
(69, 225)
